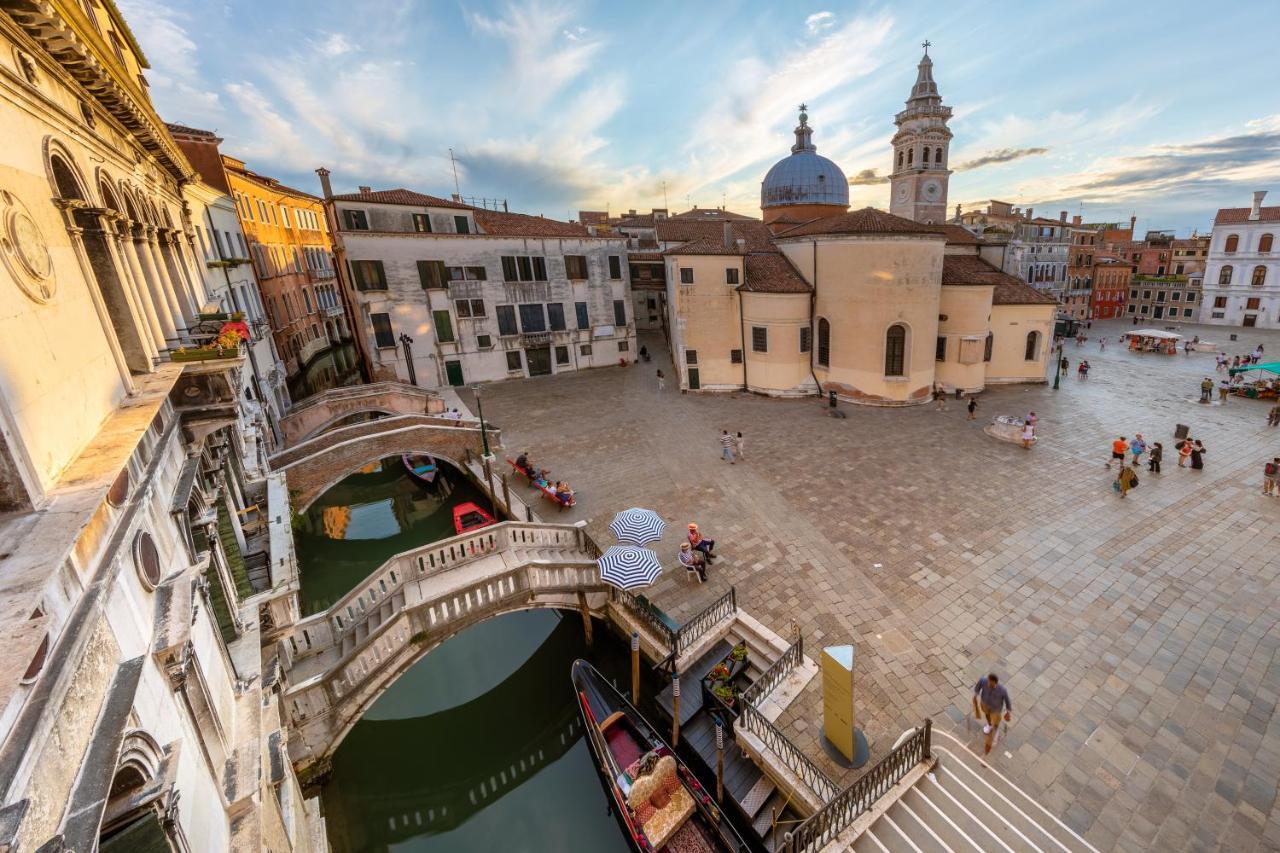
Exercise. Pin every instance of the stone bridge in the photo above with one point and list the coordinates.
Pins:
(318, 463)
(335, 664)
(316, 414)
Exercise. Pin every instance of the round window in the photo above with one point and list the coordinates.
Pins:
(146, 559)
(119, 491)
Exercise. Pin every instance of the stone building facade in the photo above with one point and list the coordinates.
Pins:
(444, 293)
(1242, 270)
(135, 712)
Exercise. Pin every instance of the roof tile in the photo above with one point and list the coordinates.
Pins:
(865, 221)
(522, 225)
(1240, 215)
(402, 196)
(772, 272)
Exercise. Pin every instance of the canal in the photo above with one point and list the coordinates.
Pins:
(479, 746)
(333, 368)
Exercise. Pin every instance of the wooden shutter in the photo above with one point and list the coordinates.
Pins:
(509, 271)
(444, 326)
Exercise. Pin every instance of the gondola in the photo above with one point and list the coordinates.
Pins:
(421, 466)
(658, 801)
(468, 517)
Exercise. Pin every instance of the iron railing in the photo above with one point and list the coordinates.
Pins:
(645, 611)
(796, 761)
(824, 825)
(691, 631)
(777, 672)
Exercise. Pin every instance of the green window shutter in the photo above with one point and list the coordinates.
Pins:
(509, 271)
(357, 275)
(444, 326)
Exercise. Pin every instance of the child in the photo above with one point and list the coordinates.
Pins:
(973, 407)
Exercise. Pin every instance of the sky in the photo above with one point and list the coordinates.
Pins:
(1167, 111)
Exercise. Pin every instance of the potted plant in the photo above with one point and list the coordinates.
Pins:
(719, 672)
(739, 653)
(725, 692)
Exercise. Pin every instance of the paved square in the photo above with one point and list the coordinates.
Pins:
(1138, 638)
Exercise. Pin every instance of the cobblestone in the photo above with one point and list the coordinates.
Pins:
(1136, 637)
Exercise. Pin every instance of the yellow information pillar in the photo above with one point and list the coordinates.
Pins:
(842, 735)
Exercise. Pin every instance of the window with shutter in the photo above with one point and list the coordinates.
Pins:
(615, 266)
(731, 275)
(532, 318)
(619, 312)
(507, 320)
(526, 268)
(509, 271)
(476, 274)
(462, 308)
(513, 360)
(433, 274)
(555, 316)
(356, 220)
(422, 223)
(444, 326)
(539, 269)
(583, 321)
(461, 225)
(368, 275)
(562, 355)
(382, 335)
(575, 267)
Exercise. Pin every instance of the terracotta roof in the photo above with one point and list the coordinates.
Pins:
(643, 220)
(772, 272)
(958, 235)
(522, 225)
(645, 256)
(865, 221)
(707, 238)
(183, 130)
(711, 214)
(971, 269)
(1020, 293)
(402, 196)
(1234, 215)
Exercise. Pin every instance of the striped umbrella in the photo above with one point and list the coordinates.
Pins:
(629, 567)
(638, 526)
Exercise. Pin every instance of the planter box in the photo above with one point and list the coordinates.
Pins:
(204, 354)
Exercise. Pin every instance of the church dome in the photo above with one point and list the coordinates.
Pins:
(804, 177)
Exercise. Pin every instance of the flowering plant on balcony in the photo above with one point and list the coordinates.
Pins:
(225, 345)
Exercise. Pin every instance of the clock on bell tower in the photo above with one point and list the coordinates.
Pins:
(918, 182)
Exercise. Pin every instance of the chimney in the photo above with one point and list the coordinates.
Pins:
(365, 190)
(742, 245)
(325, 187)
(728, 236)
(1029, 212)
(1133, 220)
(1075, 220)
(1062, 216)
(1255, 212)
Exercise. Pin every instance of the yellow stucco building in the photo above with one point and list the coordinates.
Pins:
(876, 307)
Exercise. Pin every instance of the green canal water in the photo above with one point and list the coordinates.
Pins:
(479, 746)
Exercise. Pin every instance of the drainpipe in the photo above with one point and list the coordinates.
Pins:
(742, 331)
(813, 331)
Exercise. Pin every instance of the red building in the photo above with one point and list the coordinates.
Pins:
(1111, 275)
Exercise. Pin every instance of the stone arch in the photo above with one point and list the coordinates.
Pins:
(312, 495)
(139, 763)
(64, 173)
(337, 421)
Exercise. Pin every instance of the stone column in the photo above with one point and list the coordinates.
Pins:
(128, 252)
(168, 287)
(147, 271)
(182, 271)
(111, 234)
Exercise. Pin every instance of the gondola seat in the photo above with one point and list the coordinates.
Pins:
(661, 802)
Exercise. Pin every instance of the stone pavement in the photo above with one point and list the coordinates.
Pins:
(1136, 637)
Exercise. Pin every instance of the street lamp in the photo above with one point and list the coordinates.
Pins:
(407, 343)
(484, 431)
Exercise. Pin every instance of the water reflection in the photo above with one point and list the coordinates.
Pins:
(441, 761)
(335, 367)
(369, 517)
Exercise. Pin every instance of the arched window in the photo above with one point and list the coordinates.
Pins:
(1259, 276)
(895, 351)
(1033, 346)
(925, 158)
(1233, 243)
(824, 342)
(937, 156)
(911, 154)
(1224, 275)
(65, 178)
(1264, 243)
(986, 352)
(900, 159)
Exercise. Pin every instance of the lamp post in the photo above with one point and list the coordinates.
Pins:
(407, 343)
(484, 431)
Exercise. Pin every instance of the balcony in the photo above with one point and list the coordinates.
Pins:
(319, 275)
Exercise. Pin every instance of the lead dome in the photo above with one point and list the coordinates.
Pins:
(805, 177)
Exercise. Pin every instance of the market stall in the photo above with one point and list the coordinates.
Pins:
(1153, 340)
(1256, 381)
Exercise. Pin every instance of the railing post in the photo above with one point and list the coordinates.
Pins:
(528, 513)
(928, 737)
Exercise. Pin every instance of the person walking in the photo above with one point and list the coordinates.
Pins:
(1102, 344)
(1270, 472)
(693, 561)
(726, 446)
(1118, 449)
(1032, 420)
(662, 380)
(1153, 462)
(1206, 388)
(973, 407)
(1184, 452)
(989, 699)
(1197, 455)
(700, 543)
(939, 398)
(1273, 416)
(1137, 447)
(1126, 480)
(1224, 388)
(1028, 435)
(1063, 365)
(737, 448)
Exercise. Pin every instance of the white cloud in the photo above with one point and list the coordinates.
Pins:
(820, 22)
(175, 61)
(334, 44)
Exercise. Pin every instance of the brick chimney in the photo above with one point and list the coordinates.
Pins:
(1255, 212)
(1030, 212)
(1075, 220)
(365, 190)
(325, 187)
(728, 236)
(1062, 216)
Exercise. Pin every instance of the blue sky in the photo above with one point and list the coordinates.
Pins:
(1165, 110)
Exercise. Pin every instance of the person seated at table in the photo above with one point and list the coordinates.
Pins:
(693, 561)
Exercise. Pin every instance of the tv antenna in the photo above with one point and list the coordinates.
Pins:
(454, 163)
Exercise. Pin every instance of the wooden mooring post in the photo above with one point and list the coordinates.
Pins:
(675, 709)
(506, 495)
(719, 762)
(586, 616)
(635, 667)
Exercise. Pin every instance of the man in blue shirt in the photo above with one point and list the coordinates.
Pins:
(992, 696)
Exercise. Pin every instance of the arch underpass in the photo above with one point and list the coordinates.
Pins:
(318, 413)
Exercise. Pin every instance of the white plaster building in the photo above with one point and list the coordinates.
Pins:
(135, 712)
(1242, 274)
(445, 293)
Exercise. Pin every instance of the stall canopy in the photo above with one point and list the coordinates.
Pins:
(1269, 367)
(1154, 333)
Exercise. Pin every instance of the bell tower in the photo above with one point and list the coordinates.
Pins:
(921, 150)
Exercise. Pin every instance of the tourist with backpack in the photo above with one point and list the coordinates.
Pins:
(1270, 473)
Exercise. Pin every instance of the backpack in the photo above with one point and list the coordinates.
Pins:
(1270, 469)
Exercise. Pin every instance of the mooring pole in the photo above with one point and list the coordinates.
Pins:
(506, 494)
(675, 709)
(586, 615)
(635, 667)
(719, 761)
(488, 475)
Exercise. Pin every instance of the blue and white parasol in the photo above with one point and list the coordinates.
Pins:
(638, 526)
(629, 567)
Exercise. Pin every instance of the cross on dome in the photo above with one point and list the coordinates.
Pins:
(926, 45)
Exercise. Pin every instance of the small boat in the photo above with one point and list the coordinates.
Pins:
(421, 466)
(659, 802)
(468, 517)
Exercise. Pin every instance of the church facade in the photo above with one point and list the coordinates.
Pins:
(877, 307)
